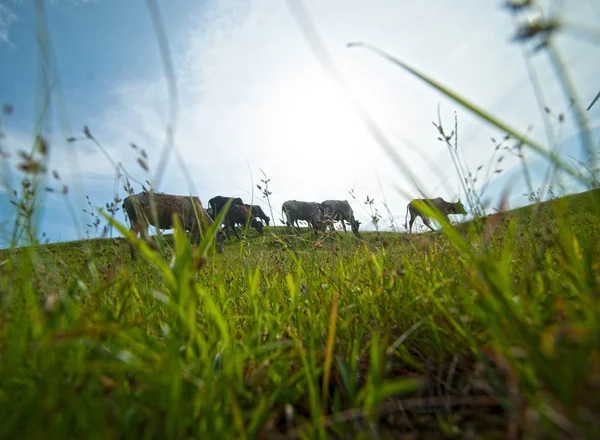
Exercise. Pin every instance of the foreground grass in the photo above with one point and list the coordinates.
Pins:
(296, 336)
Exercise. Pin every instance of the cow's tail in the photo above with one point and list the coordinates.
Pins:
(286, 215)
(125, 205)
(406, 216)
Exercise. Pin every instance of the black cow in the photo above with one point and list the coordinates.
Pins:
(310, 212)
(439, 204)
(238, 214)
(340, 210)
(258, 212)
(210, 213)
(217, 203)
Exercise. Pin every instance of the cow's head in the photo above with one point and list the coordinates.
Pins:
(257, 224)
(319, 220)
(220, 240)
(267, 219)
(458, 208)
(355, 225)
(210, 213)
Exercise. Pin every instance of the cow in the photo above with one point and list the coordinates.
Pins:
(439, 204)
(139, 209)
(210, 213)
(310, 212)
(238, 214)
(258, 212)
(340, 210)
(217, 203)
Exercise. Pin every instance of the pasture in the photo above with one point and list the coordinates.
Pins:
(489, 330)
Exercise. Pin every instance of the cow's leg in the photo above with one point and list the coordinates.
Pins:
(411, 221)
(290, 226)
(232, 226)
(343, 224)
(135, 227)
(227, 227)
(296, 226)
(288, 219)
(197, 228)
(194, 235)
(141, 228)
(426, 222)
(332, 221)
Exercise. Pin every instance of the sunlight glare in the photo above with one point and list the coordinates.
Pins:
(308, 112)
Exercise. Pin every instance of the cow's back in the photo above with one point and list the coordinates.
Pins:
(137, 207)
(438, 204)
(258, 211)
(306, 209)
(165, 205)
(341, 206)
(190, 208)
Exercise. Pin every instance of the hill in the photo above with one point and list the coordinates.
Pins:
(434, 335)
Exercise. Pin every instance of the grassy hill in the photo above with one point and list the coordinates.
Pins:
(490, 330)
(584, 204)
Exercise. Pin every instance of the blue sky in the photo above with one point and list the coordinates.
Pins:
(95, 42)
(252, 96)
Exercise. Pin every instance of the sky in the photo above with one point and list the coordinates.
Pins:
(252, 97)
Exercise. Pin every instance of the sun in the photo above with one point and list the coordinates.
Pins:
(309, 133)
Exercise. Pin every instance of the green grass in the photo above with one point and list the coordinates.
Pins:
(293, 335)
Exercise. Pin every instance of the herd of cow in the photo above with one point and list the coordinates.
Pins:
(317, 215)
(158, 209)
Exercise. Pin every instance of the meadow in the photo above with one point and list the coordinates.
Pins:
(489, 329)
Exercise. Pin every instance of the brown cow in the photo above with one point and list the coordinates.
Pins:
(139, 210)
(439, 204)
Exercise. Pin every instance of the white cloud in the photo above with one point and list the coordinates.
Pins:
(7, 18)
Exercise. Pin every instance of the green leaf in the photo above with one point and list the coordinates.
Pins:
(399, 386)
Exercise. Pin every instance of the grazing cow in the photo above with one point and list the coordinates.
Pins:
(237, 214)
(340, 210)
(139, 209)
(217, 203)
(310, 212)
(439, 204)
(210, 213)
(258, 212)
